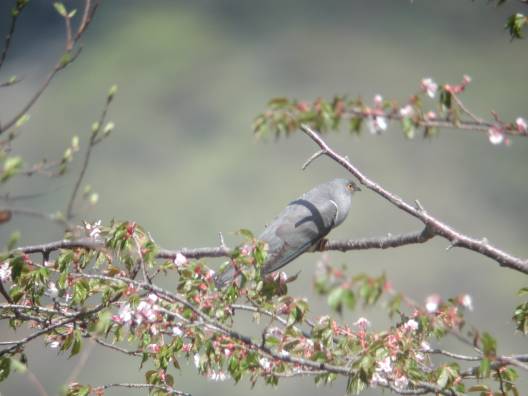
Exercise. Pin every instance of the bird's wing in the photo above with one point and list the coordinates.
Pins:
(300, 226)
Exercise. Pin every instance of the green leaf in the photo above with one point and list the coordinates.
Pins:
(11, 166)
(523, 292)
(22, 120)
(489, 345)
(246, 234)
(13, 240)
(77, 343)
(445, 99)
(5, 368)
(65, 59)
(335, 299)
(112, 91)
(60, 8)
(408, 127)
(485, 368)
(515, 24)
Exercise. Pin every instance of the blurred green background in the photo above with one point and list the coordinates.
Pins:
(183, 162)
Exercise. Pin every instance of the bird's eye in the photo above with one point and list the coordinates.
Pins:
(350, 186)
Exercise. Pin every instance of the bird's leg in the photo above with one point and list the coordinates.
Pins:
(320, 245)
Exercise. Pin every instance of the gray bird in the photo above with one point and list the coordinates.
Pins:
(302, 225)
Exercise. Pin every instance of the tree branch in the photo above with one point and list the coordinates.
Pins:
(92, 143)
(15, 13)
(436, 227)
(164, 388)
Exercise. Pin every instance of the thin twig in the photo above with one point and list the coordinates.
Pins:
(69, 57)
(93, 137)
(14, 17)
(164, 388)
(38, 214)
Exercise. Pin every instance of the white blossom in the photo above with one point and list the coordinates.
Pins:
(411, 325)
(377, 124)
(378, 379)
(5, 271)
(384, 366)
(467, 302)
(94, 230)
(180, 260)
(265, 363)
(177, 331)
(432, 303)
(425, 346)
(125, 314)
(362, 323)
(217, 375)
(54, 344)
(521, 125)
(196, 358)
(407, 111)
(430, 87)
(495, 135)
(401, 382)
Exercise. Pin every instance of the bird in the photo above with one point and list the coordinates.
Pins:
(302, 225)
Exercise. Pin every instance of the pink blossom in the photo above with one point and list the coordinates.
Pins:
(124, 315)
(431, 115)
(362, 323)
(246, 250)
(407, 111)
(430, 87)
(378, 101)
(495, 135)
(153, 348)
(177, 331)
(466, 80)
(187, 347)
(411, 325)
(521, 125)
(180, 260)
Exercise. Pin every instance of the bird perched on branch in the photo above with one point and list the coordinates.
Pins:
(302, 225)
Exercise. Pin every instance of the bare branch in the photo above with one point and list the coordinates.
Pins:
(92, 143)
(435, 226)
(38, 214)
(164, 388)
(67, 58)
(15, 13)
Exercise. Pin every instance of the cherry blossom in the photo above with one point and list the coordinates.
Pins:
(430, 87)
(5, 271)
(180, 260)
